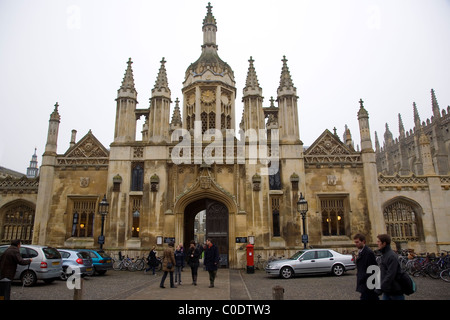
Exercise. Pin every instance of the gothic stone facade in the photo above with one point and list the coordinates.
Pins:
(157, 184)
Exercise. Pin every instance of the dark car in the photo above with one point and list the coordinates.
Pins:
(101, 260)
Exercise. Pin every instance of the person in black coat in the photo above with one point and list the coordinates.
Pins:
(193, 261)
(365, 258)
(390, 269)
(211, 261)
(10, 259)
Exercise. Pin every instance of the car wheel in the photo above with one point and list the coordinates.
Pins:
(28, 278)
(338, 270)
(286, 272)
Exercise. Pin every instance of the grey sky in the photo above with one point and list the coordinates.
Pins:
(389, 53)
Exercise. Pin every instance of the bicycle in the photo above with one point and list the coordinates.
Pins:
(125, 264)
(260, 263)
(445, 275)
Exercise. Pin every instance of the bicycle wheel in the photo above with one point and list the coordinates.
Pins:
(131, 266)
(140, 264)
(117, 265)
(445, 275)
(433, 270)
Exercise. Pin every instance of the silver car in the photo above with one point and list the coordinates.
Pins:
(46, 264)
(311, 261)
(75, 259)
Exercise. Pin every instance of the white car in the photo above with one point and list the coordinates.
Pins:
(311, 261)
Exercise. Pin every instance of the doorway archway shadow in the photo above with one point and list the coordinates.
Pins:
(216, 225)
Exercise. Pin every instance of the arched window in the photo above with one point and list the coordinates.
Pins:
(83, 217)
(17, 223)
(401, 218)
(333, 217)
(137, 177)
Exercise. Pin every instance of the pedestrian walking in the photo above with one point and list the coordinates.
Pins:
(10, 259)
(365, 258)
(193, 261)
(152, 261)
(389, 268)
(211, 261)
(168, 265)
(179, 263)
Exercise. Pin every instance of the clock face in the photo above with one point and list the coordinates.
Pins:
(207, 96)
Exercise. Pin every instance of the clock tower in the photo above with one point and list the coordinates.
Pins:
(209, 91)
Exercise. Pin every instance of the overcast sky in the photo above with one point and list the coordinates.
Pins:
(389, 53)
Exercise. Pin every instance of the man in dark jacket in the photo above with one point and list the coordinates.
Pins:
(10, 259)
(390, 268)
(365, 258)
(211, 261)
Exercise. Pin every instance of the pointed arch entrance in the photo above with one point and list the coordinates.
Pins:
(216, 222)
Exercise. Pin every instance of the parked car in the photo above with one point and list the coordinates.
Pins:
(46, 264)
(311, 261)
(101, 260)
(78, 259)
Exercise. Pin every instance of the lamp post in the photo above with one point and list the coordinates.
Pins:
(302, 208)
(103, 211)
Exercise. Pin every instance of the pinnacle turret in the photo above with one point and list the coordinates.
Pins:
(285, 79)
(128, 79)
(176, 117)
(416, 117)
(251, 84)
(161, 84)
(435, 105)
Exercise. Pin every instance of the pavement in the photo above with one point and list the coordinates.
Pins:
(228, 285)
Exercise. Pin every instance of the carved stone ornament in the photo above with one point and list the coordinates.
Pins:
(332, 180)
(154, 183)
(84, 182)
(256, 179)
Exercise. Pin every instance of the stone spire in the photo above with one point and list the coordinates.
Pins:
(161, 85)
(286, 83)
(251, 84)
(176, 117)
(388, 137)
(435, 105)
(128, 80)
(416, 117)
(209, 29)
(401, 128)
(377, 142)
(364, 128)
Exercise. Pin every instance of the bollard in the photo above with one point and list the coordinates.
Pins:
(278, 293)
(5, 289)
(78, 292)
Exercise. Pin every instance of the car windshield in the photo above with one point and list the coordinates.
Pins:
(83, 255)
(51, 253)
(103, 254)
(297, 255)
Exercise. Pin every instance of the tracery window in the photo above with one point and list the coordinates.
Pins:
(135, 203)
(333, 216)
(276, 216)
(83, 217)
(137, 176)
(18, 223)
(401, 221)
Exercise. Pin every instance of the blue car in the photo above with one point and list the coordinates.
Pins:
(101, 261)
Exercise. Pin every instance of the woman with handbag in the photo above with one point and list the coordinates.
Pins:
(168, 265)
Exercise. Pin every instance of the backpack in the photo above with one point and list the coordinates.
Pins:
(406, 283)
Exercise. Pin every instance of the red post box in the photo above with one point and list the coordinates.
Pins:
(250, 259)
